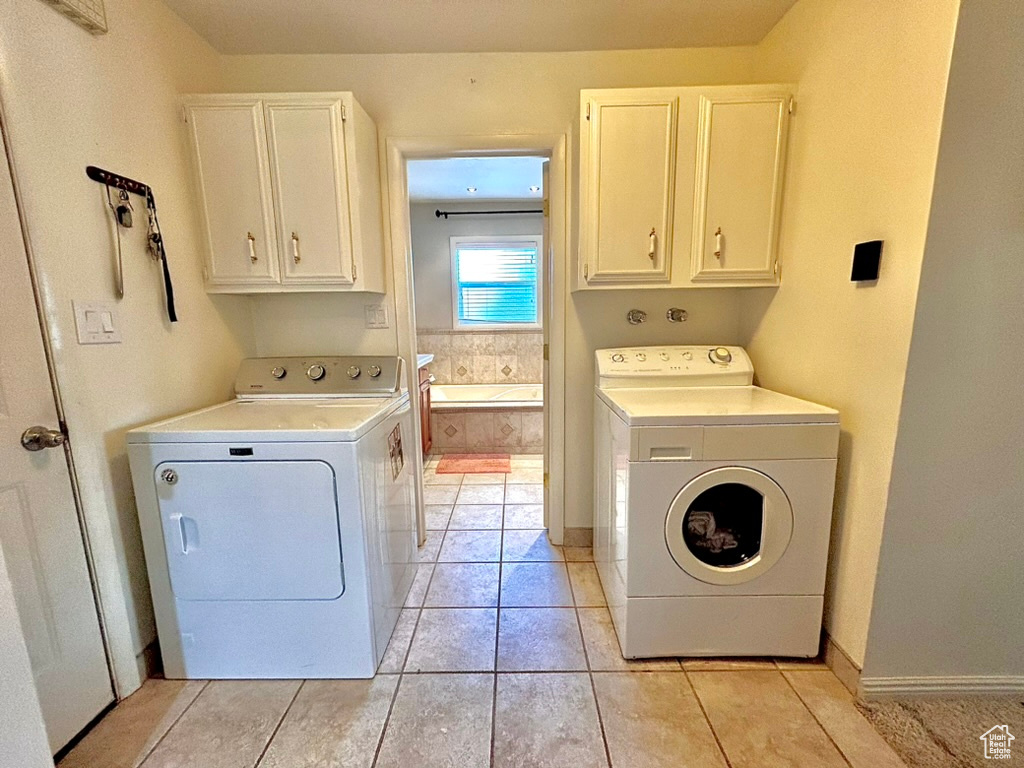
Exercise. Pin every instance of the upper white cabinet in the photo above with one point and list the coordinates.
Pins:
(629, 194)
(741, 143)
(289, 191)
(681, 187)
(230, 147)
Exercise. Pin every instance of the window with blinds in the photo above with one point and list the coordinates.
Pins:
(496, 281)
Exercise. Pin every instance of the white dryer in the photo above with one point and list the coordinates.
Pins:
(279, 528)
(713, 505)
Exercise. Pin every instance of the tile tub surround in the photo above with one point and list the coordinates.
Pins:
(482, 430)
(480, 357)
(514, 664)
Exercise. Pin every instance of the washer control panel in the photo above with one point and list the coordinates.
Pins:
(356, 376)
(675, 366)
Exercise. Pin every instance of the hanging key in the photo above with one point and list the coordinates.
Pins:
(124, 210)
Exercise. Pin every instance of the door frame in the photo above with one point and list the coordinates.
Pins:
(555, 147)
(7, 156)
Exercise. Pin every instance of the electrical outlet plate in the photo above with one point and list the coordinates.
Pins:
(376, 315)
(96, 322)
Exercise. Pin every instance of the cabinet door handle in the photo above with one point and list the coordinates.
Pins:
(654, 244)
(718, 243)
(252, 247)
(295, 248)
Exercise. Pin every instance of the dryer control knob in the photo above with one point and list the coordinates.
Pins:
(374, 371)
(641, 357)
(316, 372)
(353, 371)
(618, 357)
(687, 355)
(720, 355)
(279, 372)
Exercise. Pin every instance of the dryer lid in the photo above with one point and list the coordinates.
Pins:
(694, 406)
(274, 420)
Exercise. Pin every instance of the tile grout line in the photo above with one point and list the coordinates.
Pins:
(171, 726)
(412, 638)
(707, 719)
(814, 717)
(497, 631)
(590, 671)
(387, 718)
(263, 752)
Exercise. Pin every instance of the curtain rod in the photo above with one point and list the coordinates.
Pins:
(439, 213)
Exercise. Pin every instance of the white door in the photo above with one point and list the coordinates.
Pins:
(310, 178)
(39, 526)
(547, 276)
(628, 180)
(740, 158)
(229, 151)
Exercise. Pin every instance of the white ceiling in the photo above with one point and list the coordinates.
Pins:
(439, 26)
(495, 178)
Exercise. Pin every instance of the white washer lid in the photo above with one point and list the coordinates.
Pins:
(695, 406)
(273, 420)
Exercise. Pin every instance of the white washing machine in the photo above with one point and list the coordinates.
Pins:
(713, 505)
(279, 528)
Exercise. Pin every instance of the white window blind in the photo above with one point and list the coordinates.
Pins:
(496, 282)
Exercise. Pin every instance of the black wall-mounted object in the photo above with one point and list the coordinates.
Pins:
(866, 259)
(156, 239)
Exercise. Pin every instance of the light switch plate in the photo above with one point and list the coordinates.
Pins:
(376, 315)
(96, 322)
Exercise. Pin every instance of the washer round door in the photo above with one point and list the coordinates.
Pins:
(729, 525)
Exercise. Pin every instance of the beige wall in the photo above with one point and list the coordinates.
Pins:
(75, 99)
(863, 145)
(950, 579)
(499, 93)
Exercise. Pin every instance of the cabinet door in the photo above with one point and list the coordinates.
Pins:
(428, 439)
(628, 186)
(740, 161)
(229, 151)
(307, 154)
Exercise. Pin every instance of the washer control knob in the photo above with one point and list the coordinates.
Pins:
(374, 371)
(663, 355)
(641, 356)
(618, 357)
(353, 371)
(316, 372)
(720, 355)
(279, 372)
(687, 355)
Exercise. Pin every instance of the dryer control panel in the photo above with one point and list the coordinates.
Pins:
(326, 376)
(676, 366)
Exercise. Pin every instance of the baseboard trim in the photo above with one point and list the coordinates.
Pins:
(578, 537)
(841, 664)
(875, 687)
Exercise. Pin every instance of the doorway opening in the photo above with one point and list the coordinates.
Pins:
(483, 225)
(477, 235)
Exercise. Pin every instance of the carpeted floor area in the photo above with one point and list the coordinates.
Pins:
(943, 732)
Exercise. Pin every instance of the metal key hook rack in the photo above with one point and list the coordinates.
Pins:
(123, 218)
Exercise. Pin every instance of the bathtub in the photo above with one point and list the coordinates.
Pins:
(487, 418)
(460, 397)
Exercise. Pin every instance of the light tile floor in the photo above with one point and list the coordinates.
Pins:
(505, 655)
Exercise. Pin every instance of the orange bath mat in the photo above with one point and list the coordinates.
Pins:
(474, 463)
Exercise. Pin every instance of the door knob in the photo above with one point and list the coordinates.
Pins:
(38, 438)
